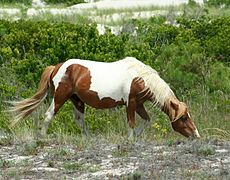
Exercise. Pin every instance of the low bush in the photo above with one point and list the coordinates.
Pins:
(217, 2)
(26, 2)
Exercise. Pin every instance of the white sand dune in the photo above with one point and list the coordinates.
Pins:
(127, 4)
(39, 8)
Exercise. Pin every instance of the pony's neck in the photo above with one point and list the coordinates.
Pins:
(167, 108)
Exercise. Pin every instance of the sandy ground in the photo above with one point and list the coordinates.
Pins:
(203, 159)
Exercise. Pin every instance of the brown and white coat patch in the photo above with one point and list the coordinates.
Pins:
(112, 82)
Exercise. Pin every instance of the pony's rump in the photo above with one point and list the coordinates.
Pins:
(25, 107)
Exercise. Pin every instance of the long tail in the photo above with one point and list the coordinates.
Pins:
(25, 107)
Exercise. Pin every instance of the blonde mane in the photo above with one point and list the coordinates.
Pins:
(158, 87)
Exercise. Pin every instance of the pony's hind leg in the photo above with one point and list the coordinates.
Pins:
(61, 95)
(79, 110)
(48, 117)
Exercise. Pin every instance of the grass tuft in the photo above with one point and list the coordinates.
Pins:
(206, 151)
(50, 164)
(6, 141)
(30, 148)
(217, 133)
(136, 175)
(78, 166)
(4, 163)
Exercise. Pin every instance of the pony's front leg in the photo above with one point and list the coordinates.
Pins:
(139, 130)
(144, 115)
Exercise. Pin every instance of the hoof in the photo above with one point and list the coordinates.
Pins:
(132, 136)
(86, 133)
(40, 135)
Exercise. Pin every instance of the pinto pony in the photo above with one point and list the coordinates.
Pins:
(102, 85)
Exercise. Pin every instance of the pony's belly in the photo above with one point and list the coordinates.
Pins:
(92, 99)
(106, 103)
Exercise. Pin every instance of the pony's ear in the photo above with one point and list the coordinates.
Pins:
(174, 105)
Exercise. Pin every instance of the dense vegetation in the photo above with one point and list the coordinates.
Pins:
(71, 2)
(68, 2)
(193, 58)
(217, 2)
(27, 2)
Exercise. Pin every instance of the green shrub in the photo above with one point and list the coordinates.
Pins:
(27, 2)
(213, 35)
(218, 77)
(181, 65)
(217, 2)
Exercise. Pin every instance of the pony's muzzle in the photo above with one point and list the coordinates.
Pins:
(196, 134)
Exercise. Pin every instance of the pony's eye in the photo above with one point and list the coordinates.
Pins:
(184, 118)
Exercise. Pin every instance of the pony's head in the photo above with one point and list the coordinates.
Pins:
(182, 121)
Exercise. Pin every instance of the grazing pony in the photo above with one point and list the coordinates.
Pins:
(102, 85)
